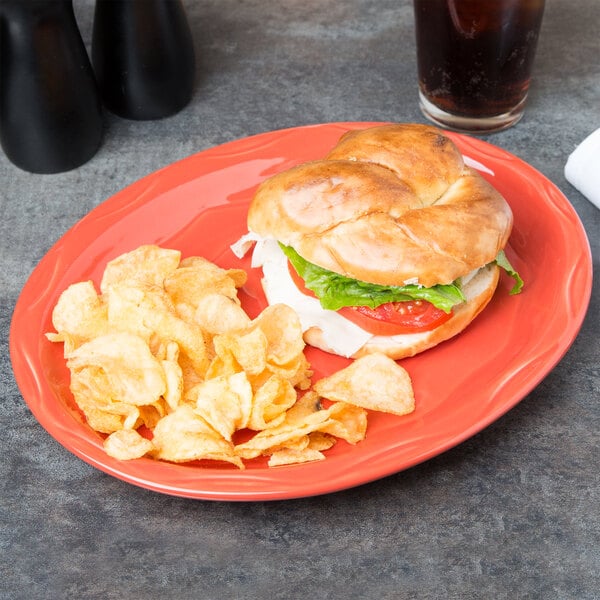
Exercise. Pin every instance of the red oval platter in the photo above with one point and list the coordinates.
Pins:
(198, 205)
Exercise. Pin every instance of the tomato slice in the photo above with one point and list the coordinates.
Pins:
(391, 318)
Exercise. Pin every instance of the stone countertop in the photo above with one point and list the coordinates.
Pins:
(510, 513)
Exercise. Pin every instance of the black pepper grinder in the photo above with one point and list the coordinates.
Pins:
(50, 109)
(143, 57)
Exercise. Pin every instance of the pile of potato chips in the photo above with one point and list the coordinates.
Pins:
(166, 363)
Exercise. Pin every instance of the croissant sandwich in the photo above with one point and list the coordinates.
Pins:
(389, 244)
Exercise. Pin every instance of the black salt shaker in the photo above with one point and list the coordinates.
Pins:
(143, 57)
(50, 109)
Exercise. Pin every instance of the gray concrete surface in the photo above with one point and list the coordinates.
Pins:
(510, 513)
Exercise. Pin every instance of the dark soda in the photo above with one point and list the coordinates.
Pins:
(475, 56)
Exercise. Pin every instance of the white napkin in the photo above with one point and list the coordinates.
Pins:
(583, 168)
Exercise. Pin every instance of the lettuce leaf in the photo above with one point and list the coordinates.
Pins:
(504, 263)
(336, 291)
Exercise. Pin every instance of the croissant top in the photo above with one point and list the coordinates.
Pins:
(389, 204)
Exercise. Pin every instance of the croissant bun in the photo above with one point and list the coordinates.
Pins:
(389, 205)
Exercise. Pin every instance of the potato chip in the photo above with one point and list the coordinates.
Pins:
(225, 403)
(297, 423)
(282, 328)
(150, 264)
(266, 344)
(348, 422)
(79, 315)
(217, 314)
(133, 374)
(270, 403)
(306, 405)
(289, 456)
(315, 440)
(306, 449)
(374, 381)
(188, 336)
(173, 379)
(185, 312)
(190, 376)
(104, 421)
(196, 277)
(183, 436)
(249, 349)
(297, 444)
(127, 444)
(297, 371)
(151, 414)
(319, 440)
(146, 310)
(91, 389)
(69, 342)
(127, 309)
(239, 276)
(222, 366)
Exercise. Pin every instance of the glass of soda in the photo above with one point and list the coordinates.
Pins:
(475, 59)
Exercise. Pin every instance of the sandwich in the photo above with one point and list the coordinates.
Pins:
(390, 243)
